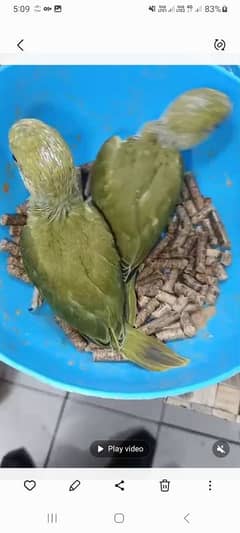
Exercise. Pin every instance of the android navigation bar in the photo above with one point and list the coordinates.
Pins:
(116, 448)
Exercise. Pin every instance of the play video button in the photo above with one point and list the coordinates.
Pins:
(118, 448)
(100, 449)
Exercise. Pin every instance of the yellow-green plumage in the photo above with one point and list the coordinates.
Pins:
(190, 118)
(136, 184)
(69, 252)
(74, 283)
(131, 300)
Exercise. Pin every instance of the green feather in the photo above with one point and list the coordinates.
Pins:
(136, 184)
(131, 301)
(149, 352)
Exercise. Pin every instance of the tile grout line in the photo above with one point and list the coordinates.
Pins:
(200, 433)
(56, 429)
(163, 412)
(160, 426)
(28, 387)
(139, 417)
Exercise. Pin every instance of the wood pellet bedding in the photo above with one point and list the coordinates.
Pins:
(178, 284)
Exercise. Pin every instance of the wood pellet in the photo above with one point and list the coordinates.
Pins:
(154, 326)
(171, 334)
(146, 311)
(13, 220)
(188, 328)
(194, 191)
(162, 310)
(9, 246)
(102, 356)
(219, 229)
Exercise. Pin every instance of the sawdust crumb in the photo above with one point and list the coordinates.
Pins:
(9, 170)
(206, 335)
(6, 187)
(229, 182)
(212, 153)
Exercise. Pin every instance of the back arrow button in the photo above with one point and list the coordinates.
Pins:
(19, 45)
(186, 518)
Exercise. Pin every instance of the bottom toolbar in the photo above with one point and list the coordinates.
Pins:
(119, 500)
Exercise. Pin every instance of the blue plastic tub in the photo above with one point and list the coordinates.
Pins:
(88, 104)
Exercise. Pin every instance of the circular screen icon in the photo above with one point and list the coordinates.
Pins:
(221, 448)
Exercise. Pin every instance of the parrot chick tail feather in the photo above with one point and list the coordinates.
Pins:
(131, 301)
(149, 352)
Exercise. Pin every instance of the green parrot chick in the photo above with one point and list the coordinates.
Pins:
(136, 183)
(67, 248)
(69, 252)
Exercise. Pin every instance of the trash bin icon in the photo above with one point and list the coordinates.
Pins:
(164, 485)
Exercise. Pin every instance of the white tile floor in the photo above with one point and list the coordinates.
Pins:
(58, 429)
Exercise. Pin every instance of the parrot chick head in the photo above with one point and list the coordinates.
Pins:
(190, 118)
(44, 161)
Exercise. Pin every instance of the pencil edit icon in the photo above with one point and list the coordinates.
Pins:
(74, 485)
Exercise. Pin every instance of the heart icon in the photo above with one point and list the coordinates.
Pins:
(29, 484)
